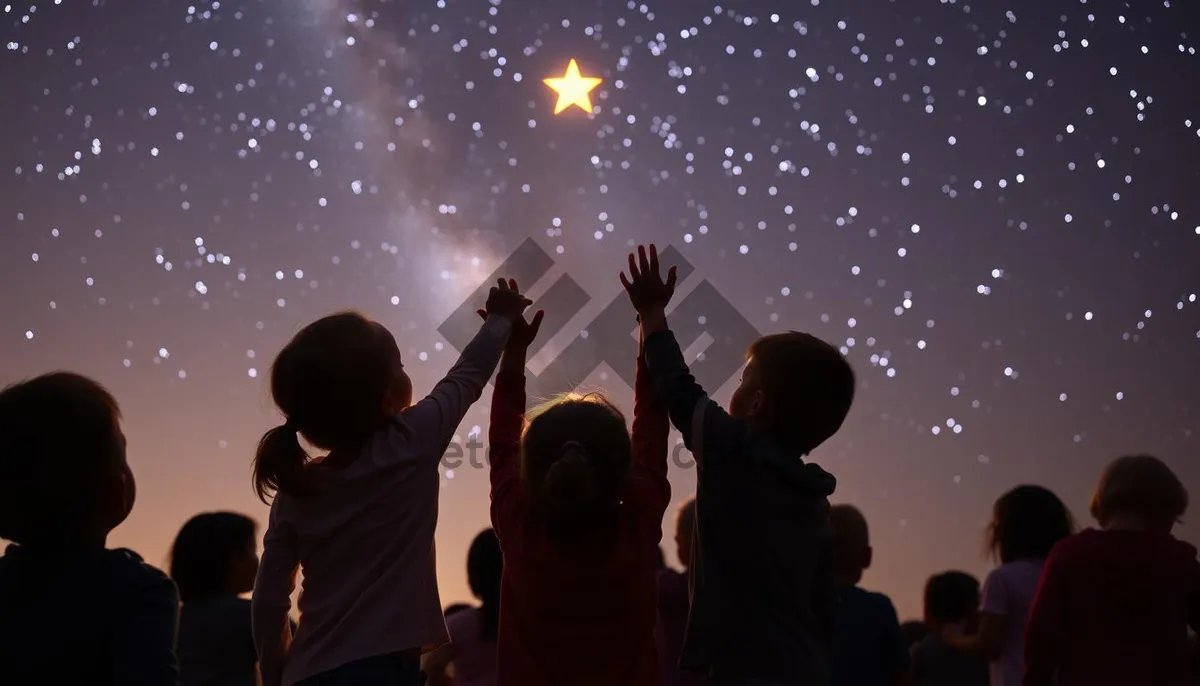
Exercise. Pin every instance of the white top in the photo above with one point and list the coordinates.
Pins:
(364, 539)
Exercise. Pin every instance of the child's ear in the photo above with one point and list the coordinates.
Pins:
(756, 404)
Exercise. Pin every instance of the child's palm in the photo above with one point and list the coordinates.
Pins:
(506, 301)
(646, 288)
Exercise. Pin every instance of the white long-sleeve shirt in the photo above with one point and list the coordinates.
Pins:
(364, 539)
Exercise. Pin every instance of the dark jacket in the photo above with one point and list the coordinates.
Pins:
(763, 594)
(100, 618)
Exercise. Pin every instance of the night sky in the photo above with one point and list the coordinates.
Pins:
(991, 206)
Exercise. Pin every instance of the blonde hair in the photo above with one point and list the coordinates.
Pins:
(1141, 484)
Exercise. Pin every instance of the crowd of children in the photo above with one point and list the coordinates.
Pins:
(570, 579)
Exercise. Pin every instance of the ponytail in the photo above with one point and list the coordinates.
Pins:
(279, 463)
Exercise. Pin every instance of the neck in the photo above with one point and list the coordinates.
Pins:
(1129, 521)
(847, 579)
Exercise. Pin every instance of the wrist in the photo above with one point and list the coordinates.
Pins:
(653, 320)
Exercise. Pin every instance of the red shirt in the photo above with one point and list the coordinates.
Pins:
(1113, 607)
(578, 617)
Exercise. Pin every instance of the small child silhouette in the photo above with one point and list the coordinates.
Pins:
(1113, 605)
(762, 534)
(950, 598)
(213, 562)
(577, 501)
(359, 521)
(869, 649)
(71, 610)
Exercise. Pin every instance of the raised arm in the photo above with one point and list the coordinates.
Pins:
(440, 413)
(504, 431)
(144, 643)
(651, 429)
(272, 599)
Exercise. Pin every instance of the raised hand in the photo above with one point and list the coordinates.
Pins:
(506, 301)
(645, 286)
(524, 331)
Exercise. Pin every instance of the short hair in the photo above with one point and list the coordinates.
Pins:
(807, 385)
(485, 567)
(204, 551)
(951, 597)
(60, 438)
(1140, 484)
(1027, 522)
(851, 538)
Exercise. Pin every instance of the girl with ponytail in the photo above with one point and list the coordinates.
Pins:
(359, 519)
(577, 503)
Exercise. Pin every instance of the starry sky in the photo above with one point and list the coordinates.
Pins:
(990, 206)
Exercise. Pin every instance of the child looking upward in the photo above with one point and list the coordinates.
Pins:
(763, 596)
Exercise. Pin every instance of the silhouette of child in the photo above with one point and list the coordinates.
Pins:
(472, 648)
(914, 632)
(71, 610)
(213, 562)
(673, 602)
(359, 521)
(1027, 522)
(950, 598)
(763, 598)
(869, 649)
(578, 504)
(1113, 605)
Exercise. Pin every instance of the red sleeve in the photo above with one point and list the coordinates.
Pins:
(504, 441)
(1046, 627)
(651, 428)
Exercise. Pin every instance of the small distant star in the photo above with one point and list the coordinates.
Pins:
(573, 89)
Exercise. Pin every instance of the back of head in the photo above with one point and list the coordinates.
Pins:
(1142, 486)
(61, 459)
(485, 568)
(1027, 522)
(851, 542)
(951, 597)
(576, 460)
(330, 382)
(807, 385)
(206, 550)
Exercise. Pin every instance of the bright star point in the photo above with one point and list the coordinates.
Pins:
(573, 89)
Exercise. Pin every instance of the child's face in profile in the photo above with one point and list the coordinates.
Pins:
(399, 393)
(747, 398)
(123, 485)
(244, 567)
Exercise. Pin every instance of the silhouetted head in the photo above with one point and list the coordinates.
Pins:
(485, 568)
(215, 553)
(64, 480)
(797, 388)
(576, 460)
(337, 382)
(950, 597)
(914, 632)
(1141, 486)
(851, 544)
(685, 523)
(1027, 522)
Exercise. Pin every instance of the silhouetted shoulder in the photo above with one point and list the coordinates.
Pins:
(128, 570)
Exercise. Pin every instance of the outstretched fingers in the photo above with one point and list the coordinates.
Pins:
(671, 279)
(536, 323)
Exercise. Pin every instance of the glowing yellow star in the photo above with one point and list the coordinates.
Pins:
(573, 89)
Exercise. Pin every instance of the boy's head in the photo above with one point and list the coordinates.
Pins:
(1141, 486)
(685, 521)
(950, 597)
(851, 544)
(64, 480)
(796, 387)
